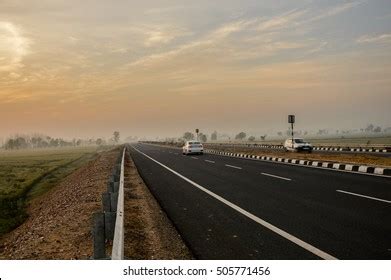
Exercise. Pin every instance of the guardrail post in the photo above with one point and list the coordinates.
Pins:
(115, 187)
(106, 201)
(110, 186)
(113, 201)
(99, 236)
(109, 225)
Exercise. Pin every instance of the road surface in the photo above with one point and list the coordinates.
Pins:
(232, 208)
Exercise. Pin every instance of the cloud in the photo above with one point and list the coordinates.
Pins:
(262, 35)
(202, 44)
(230, 28)
(158, 36)
(73, 40)
(280, 21)
(384, 38)
(333, 11)
(232, 41)
(165, 10)
(13, 47)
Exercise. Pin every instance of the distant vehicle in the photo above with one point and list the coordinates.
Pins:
(192, 147)
(299, 145)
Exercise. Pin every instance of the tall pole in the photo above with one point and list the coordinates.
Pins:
(292, 135)
(291, 120)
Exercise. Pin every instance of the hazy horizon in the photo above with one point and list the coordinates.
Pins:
(160, 68)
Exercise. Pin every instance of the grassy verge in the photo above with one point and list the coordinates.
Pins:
(27, 174)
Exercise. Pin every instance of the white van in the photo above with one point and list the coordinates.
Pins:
(298, 145)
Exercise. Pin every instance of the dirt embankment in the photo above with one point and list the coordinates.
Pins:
(60, 221)
(149, 234)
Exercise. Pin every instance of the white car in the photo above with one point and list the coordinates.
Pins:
(192, 147)
(299, 145)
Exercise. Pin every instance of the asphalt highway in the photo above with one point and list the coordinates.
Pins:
(232, 208)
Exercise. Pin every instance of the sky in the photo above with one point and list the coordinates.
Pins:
(71, 68)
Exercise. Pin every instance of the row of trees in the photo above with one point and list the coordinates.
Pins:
(241, 136)
(190, 136)
(43, 141)
(369, 129)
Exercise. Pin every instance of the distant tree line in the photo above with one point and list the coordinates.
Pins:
(42, 141)
(187, 136)
(241, 136)
(369, 129)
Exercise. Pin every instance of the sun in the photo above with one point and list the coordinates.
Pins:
(13, 47)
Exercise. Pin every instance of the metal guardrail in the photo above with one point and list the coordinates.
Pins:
(109, 224)
(118, 242)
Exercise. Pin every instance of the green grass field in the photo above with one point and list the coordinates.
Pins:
(26, 174)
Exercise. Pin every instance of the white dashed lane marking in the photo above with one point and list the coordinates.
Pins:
(364, 196)
(275, 176)
(233, 166)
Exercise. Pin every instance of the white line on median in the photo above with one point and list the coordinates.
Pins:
(275, 176)
(256, 219)
(365, 196)
(211, 161)
(233, 166)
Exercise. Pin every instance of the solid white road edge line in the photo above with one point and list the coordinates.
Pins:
(365, 196)
(256, 219)
(233, 166)
(275, 176)
(211, 161)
